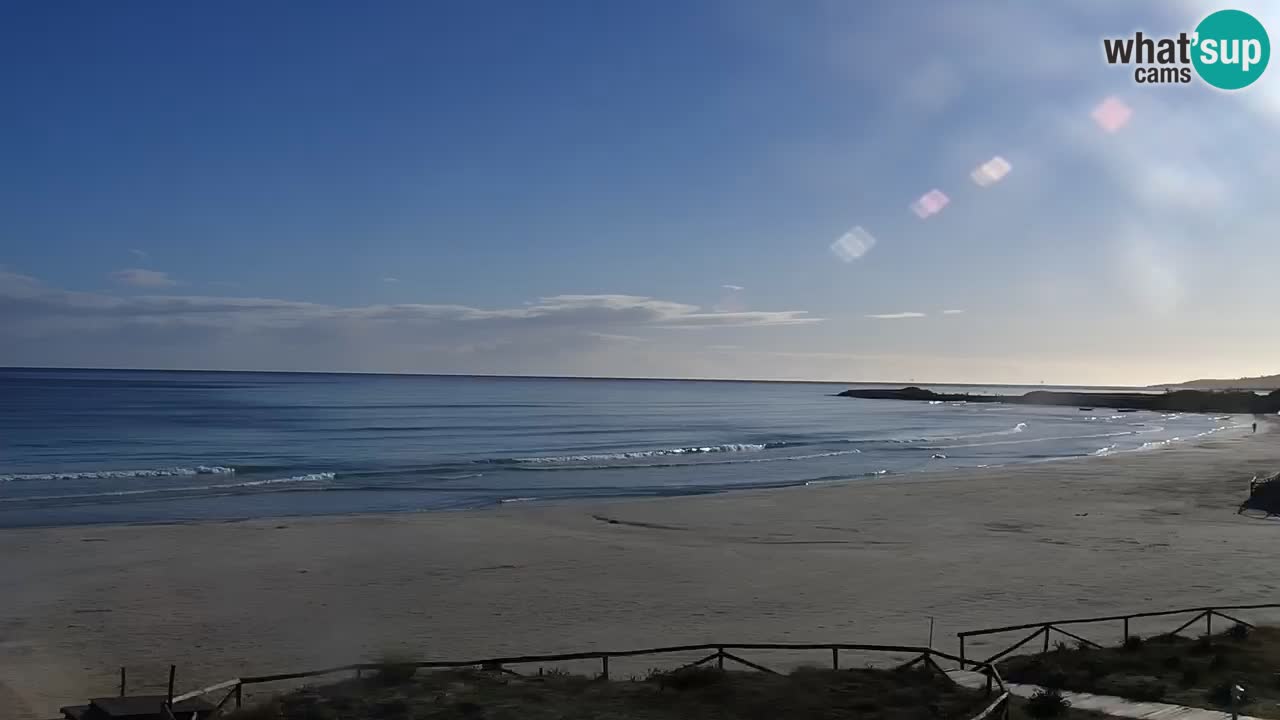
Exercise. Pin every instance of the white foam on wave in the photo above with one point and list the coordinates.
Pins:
(844, 479)
(1020, 427)
(693, 450)
(1032, 440)
(121, 474)
(1157, 444)
(630, 466)
(312, 477)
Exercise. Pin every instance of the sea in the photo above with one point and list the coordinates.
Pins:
(132, 446)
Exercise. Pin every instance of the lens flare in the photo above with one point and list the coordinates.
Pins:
(853, 244)
(1112, 114)
(991, 171)
(929, 204)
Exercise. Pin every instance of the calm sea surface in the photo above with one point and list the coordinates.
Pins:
(90, 446)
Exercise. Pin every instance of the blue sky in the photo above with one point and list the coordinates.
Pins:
(628, 188)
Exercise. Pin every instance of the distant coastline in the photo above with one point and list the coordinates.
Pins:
(1195, 401)
(1262, 382)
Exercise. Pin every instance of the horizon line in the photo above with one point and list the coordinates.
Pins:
(499, 376)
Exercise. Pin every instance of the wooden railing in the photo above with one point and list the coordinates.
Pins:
(1045, 629)
(719, 653)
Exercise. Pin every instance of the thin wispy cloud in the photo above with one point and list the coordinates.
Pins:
(897, 316)
(140, 278)
(26, 301)
(140, 254)
(734, 288)
(390, 280)
(194, 330)
(952, 312)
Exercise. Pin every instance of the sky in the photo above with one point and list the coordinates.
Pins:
(727, 189)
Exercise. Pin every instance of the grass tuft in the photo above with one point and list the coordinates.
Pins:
(1047, 703)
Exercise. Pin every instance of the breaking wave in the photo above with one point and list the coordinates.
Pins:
(121, 474)
(312, 477)
(633, 466)
(693, 450)
(1020, 427)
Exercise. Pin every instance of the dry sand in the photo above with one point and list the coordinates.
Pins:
(861, 562)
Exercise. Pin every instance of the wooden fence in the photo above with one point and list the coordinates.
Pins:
(1045, 629)
(718, 653)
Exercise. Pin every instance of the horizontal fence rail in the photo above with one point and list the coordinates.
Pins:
(719, 652)
(1044, 630)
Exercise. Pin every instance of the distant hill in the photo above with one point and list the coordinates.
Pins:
(1265, 382)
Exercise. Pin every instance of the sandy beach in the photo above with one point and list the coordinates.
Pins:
(860, 562)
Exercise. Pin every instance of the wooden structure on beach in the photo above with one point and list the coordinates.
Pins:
(142, 707)
(139, 707)
(1264, 495)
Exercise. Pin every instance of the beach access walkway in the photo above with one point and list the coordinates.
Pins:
(1105, 704)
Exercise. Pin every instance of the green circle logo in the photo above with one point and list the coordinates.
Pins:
(1232, 49)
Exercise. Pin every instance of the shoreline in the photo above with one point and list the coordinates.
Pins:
(866, 561)
(1267, 424)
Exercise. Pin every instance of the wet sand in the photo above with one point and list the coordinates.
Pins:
(861, 562)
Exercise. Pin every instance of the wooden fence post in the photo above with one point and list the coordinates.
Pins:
(122, 681)
(1208, 623)
(961, 652)
(720, 658)
(835, 658)
(604, 667)
(173, 669)
(1125, 639)
(239, 695)
(1046, 638)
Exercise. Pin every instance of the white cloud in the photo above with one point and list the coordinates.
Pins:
(952, 312)
(45, 325)
(137, 277)
(897, 316)
(26, 302)
(734, 288)
(390, 280)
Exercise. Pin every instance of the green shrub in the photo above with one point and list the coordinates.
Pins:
(1047, 703)
(689, 678)
(1239, 631)
(1133, 643)
(1054, 677)
(1202, 646)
